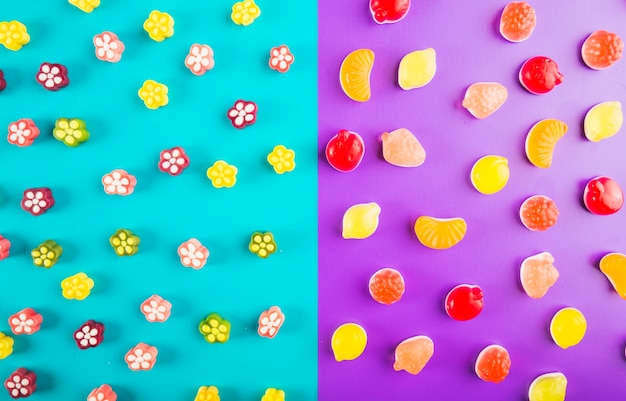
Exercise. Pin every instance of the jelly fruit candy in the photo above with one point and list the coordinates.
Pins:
(548, 387)
(568, 327)
(464, 302)
(542, 139)
(386, 286)
(401, 148)
(613, 265)
(603, 121)
(603, 196)
(493, 364)
(482, 99)
(417, 69)
(439, 233)
(360, 221)
(538, 274)
(518, 21)
(345, 151)
(602, 49)
(389, 11)
(348, 342)
(490, 174)
(354, 75)
(538, 213)
(413, 354)
(540, 75)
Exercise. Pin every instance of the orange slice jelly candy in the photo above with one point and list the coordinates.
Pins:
(401, 148)
(386, 286)
(354, 74)
(413, 354)
(538, 213)
(538, 274)
(482, 99)
(493, 364)
(518, 21)
(542, 139)
(613, 265)
(602, 49)
(439, 233)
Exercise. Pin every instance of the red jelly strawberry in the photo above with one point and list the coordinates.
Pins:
(540, 75)
(345, 150)
(602, 49)
(464, 302)
(538, 213)
(389, 11)
(518, 21)
(603, 196)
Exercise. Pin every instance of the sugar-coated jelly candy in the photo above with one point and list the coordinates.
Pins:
(354, 75)
(13, 35)
(245, 12)
(464, 302)
(603, 196)
(348, 342)
(413, 354)
(490, 174)
(360, 221)
(77, 287)
(482, 99)
(270, 322)
(273, 394)
(345, 151)
(102, 393)
(417, 69)
(159, 25)
(568, 327)
(493, 364)
(542, 139)
(89, 335)
(603, 121)
(21, 383)
(538, 213)
(214, 328)
(46, 254)
(5, 247)
(518, 21)
(26, 321)
(602, 49)
(53, 76)
(6, 345)
(548, 387)
(389, 11)
(440, 233)
(141, 357)
(613, 265)
(540, 75)
(37, 201)
(401, 148)
(386, 286)
(538, 274)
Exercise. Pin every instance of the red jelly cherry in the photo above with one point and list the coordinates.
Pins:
(345, 151)
(386, 286)
(389, 11)
(603, 196)
(464, 302)
(540, 75)
(538, 213)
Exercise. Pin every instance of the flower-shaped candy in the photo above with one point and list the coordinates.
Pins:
(273, 394)
(3, 82)
(200, 59)
(23, 132)
(245, 12)
(53, 76)
(108, 47)
(5, 247)
(77, 287)
(215, 329)
(153, 94)
(89, 335)
(71, 131)
(173, 161)
(26, 321)
(193, 254)
(222, 174)
(156, 309)
(242, 113)
(6, 345)
(207, 393)
(270, 322)
(102, 393)
(282, 159)
(46, 254)
(159, 25)
(85, 5)
(124, 242)
(119, 182)
(21, 384)
(13, 35)
(37, 200)
(141, 357)
(262, 244)
(281, 58)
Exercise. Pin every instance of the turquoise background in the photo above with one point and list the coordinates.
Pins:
(164, 211)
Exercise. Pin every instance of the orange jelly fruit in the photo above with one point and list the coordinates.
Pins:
(386, 286)
(482, 99)
(354, 74)
(437, 233)
(493, 364)
(518, 21)
(613, 265)
(413, 354)
(401, 148)
(538, 274)
(602, 49)
(542, 139)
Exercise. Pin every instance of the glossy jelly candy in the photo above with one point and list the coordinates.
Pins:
(538, 213)
(85, 5)
(26, 321)
(108, 47)
(6, 345)
(603, 121)
(273, 394)
(5, 247)
(156, 309)
(102, 393)
(490, 174)
(401, 148)
(568, 327)
(153, 94)
(21, 383)
(281, 58)
(46, 254)
(493, 364)
(77, 287)
(518, 21)
(173, 161)
(13, 35)
(412, 354)
(282, 159)
(242, 114)
(389, 11)
(193, 254)
(482, 99)
(270, 322)
(3, 82)
(542, 139)
(71, 131)
(23, 132)
(386, 286)
(215, 329)
(89, 335)
(602, 49)
(348, 342)
(222, 174)
(124, 242)
(438, 233)
(200, 59)
(245, 12)
(539, 75)
(207, 393)
(603, 196)
(37, 201)
(159, 25)
(354, 75)
(262, 244)
(360, 221)
(141, 357)
(345, 151)
(613, 265)
(538, 274)
(119, 182)
(548, 387)
(417, 69)
(53, 76)
(464, 302)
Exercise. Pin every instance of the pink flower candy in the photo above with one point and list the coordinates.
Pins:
(5, 247)
(23, 132)
(108, 47)
(156, 309)
(200, 59)
(102, 393)
(53, 76)
(26, 321)
(173, 161)
(119, 182)
(270, 322)
(281, 58)
(141, 357)
(242, 113)
(21, 384)
(193, 254)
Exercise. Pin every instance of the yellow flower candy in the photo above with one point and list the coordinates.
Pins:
(85, 5)
(245, 12)
(6, 345)
(222, 174)
(273, 394)
(207, 393)
(159, 26)
(77, 286)
(153, 94)
(282, 159)
(13, 35)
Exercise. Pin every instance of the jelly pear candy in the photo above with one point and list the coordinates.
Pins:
(413, 354)
(538, 274)
(490, 174)
(360, 221)
(603, 121)
(603, 196)
(518, 21)
(538, 213)
(482, 99)
(613, 265)
(548, 387)
(568, 327)
(417, 69)
(464, 302)
(354, 75)
(389, 11)
(438, 233)
(539, 75)
(493, 364)
(602, 49)
(542, 139)
(345, 151)
(401, 148)
(348, 342)
(21, 383)
(386, 286)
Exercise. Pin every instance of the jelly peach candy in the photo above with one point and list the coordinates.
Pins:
(159, 26)
(270, 322)
(401, 148)
(490, 174)
(108, 47)
(13, 35)
(46, 254)
(539, 75)
(493, 364)
(215, 329)
(21, 383)
(141, 357)
(102, 393)
(482, 99)
(602, 49)
(548, 387)
(417, 69)
(464, 302)
(85, 5)
(538, 274)
(613, 265)
(541, 141)
(71, 131)
(207, 393)
(89, 335)
(53, 76)
(345, 151)
(518, 21)
(26, 321)
(273, 394)
(37, 201)
(603, 121)
(568, 327)
(386, 286)
(23, 132)
(440, 233)
(354, 75)
(360, 221)
(156, 309)
(6, 345)
(77, 287)
(5, 247)
(413, 354)
(603, 196)
(124, 242)
(348, 342)
(538, 213)
(245, 12)
(153, 94)
(389, 11)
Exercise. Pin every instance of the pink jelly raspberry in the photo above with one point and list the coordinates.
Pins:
(538, 213)
(518, 21)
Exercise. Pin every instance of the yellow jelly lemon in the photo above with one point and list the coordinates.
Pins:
(613, 265)
(542, 139)
(548, 387)
(417, 69)
(603, 121)
(490, 174)
(568, 327)
(348, 342)
(354, 74)
(360, 221)
(439, 233)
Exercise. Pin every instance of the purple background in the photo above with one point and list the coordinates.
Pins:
(469, 49)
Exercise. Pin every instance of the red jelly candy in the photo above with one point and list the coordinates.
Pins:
(3, 83)
(538, 213)
(345, 150)
(518, 21)
(602, 49)
(493, 364)
(464, 302)
(37, 200)
(389, 11)
(386, 286)
(89, 335)
(21, 384)
(540, 75)
(26, 321)
(53, 76)
(603, 196)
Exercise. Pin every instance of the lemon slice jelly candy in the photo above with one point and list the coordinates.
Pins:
(548, 387)
(354, 74)
(568, 327)
(413, 354)
(542, 139)
(493, 364)
(490, 174)
(360, 221)
(482, 99)
(401, 148)
(348, 342)
(518, 21)
(603, 121)
(538, 274)
(439, 233)
(417, 69)
(613, 265)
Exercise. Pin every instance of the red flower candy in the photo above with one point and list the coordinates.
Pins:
(26, 321)
(89, 335)
(37, 200)
(53, 76)
(21, 383)
(5, 247)
(243, 113)
(173, 161)
(3, 82)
